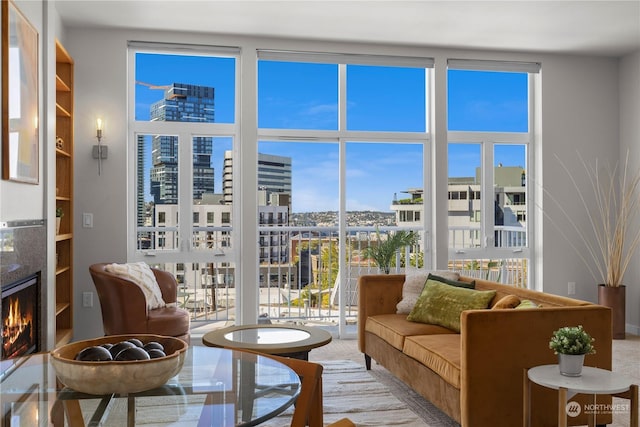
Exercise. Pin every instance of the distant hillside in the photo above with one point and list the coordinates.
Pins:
(330, 218)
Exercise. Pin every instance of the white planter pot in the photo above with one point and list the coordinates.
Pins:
(571, 364)
(58, 225)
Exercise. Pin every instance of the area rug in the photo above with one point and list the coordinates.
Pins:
(368, 398)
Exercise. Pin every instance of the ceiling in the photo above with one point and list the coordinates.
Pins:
(602, 28)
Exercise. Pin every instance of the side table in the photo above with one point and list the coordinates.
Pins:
(593, 381)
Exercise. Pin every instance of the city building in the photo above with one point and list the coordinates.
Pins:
(182, 103)
(464, 207)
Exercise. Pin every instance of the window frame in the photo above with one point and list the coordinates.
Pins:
(186, 132)
(342, 136)
(488, 141)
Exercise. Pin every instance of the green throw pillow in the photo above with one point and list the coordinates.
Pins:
(468, 285)
(525, 303)
(441, 304)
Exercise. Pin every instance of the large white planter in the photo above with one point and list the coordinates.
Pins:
(571, 364)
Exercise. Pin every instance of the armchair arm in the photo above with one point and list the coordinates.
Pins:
(497, 345)
(377, 294)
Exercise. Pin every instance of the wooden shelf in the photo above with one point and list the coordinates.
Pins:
(63, 336)
(62, 153)
(64, 196)
(65, 236)
(61, 111)
(60, 307)
(60, 270)
(61, 86)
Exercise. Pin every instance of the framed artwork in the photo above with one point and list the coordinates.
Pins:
(20, 135)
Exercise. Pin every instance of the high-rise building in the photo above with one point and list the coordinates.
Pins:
(182, 103)
(140, 210)
(274, 179)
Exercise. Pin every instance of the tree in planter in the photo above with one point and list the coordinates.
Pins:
(384, 250)
(324, 276)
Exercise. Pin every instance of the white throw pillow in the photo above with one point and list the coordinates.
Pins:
(413, 285)
(140, 274)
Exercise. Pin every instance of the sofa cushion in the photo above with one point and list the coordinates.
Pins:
(440, 353)
(413, 285)
(507, 301)
(393, 328)
(441, 304)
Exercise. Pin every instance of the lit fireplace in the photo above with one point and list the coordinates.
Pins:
(20, 307)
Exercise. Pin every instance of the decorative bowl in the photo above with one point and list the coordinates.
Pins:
(120, 377)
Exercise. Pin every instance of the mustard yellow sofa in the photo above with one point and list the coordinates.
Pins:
(476, 376)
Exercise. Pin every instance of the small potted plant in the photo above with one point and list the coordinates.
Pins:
(571, 344)
(59, 215)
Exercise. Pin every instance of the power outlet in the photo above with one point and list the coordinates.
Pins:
(571, 288)
(87, 299)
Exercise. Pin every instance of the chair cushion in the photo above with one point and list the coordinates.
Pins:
(393, 328)
(440, 353)
(142, 275)
(171, 321)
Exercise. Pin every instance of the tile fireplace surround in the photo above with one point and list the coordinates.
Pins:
(23, 252)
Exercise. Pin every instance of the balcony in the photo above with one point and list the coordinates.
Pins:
(299, 276)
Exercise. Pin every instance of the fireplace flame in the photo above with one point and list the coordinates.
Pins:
(17, 326)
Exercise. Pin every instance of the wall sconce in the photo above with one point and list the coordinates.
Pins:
(100, 151)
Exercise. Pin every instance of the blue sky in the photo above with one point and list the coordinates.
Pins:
(305, 96)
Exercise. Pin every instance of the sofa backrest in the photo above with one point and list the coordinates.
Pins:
(540, 298)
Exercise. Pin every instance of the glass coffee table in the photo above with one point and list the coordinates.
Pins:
(282, 340)
(216, 387)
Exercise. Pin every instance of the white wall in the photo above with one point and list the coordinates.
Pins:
(580, 113)
(579, 118)
(630, 140)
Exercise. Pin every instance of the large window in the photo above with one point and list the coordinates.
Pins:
(333, 154)
(342, 138)
(490, 141)
(184, 102)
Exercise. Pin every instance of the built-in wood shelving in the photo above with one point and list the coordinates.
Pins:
(64, 196)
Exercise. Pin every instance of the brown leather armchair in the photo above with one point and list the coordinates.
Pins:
(124, 307)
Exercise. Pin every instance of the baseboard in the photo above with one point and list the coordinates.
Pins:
(632, 329)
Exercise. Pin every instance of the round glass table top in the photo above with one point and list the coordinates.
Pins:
(290, 340)
(215, 387)
(267, 335)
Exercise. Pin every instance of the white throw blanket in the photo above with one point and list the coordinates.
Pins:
(140, 274)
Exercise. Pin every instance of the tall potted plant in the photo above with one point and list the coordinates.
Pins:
(383, 251)
(608, 244)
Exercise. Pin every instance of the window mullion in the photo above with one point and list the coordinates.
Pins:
(342, 214)
(488, 198)
(185, 191)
